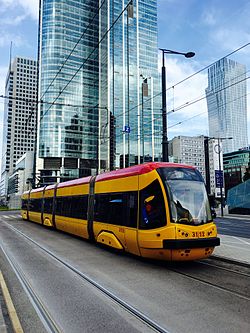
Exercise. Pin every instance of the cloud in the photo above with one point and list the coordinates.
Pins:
(29, 7)
(231, 39)
(13, 21)
(181, 98)
(16, 39)
(208, 18)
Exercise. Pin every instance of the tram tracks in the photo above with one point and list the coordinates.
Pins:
(200, 271)
(43, 313)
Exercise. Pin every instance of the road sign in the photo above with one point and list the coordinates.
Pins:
(219, 178)
(126, 129)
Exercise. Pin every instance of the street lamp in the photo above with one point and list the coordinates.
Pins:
(164, 104)
(218, 150)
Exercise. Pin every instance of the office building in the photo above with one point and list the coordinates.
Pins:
(94, 63)
(227, 103)
(19, 115)
(191, 150)
(236, 165)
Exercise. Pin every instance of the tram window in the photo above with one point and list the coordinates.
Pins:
(116, 207)
(48, 205)
(152, 211)
(24, 204)
(79, 205)
(132, 203)
(101, 207)
(35, 205)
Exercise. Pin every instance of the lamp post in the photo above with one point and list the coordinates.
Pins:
(164, 104)
(144, 92)
(218, 150)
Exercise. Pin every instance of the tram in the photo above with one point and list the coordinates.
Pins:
(156, 210)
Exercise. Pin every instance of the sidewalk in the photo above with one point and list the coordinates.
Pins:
(234, 249)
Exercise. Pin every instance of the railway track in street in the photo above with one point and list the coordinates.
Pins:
(224, 278)
(48, 321)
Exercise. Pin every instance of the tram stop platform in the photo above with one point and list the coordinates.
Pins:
(233, 248)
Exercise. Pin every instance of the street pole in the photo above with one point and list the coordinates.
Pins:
(207, 164)
(221, 178)
(164, 103)
(164, 112)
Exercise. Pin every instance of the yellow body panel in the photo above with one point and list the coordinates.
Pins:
(35, 217)
(190, 232)
(73, 190)
(47, 220)
(191, 254)
(109, 239)
(24, 214)
(25, 195)
(71, 225)
(117, 185)
(49, 193)
(36, 195)
(152, 239)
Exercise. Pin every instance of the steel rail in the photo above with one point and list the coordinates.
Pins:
(39, 307)
(129, 308)
(224, 268)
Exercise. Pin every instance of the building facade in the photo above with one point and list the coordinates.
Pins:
(19, 115)
(94, 57)
(236, 165)
(191, 151)
(227, 103)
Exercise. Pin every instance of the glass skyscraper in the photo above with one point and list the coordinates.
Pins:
(99, 86)
(227, 103)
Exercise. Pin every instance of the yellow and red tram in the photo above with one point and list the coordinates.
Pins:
(154, 210)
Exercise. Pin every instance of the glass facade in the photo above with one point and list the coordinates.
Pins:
(238, 199)
(130, 90)
(227, 103)
(94, 57)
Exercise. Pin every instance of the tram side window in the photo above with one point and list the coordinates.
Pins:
(35, 205)
(101, 208)
(75, 206)
(152, 207)
(132, 205)
(24, 204)
(79, 207)
(63, 206)
(48, 205)
(116, 208)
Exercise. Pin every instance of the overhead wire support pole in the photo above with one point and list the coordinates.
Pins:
(164, 112)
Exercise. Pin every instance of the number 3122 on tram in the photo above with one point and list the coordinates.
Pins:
(154, 210)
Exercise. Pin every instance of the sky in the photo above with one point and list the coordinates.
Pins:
(210, 28)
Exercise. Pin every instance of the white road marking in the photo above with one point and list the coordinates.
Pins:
(241, 240)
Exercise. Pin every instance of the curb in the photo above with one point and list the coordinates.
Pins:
(17, 328)
(230, 261)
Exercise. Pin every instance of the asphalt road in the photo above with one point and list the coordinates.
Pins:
(178, 303)
(238, 227)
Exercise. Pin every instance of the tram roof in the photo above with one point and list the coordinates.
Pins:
(139, 170)
(120, 173)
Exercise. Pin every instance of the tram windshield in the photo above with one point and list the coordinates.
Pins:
(188, 197)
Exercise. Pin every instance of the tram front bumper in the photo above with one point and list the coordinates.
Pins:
(176, 244)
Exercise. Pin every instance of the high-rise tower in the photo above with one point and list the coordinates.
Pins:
(96, 59)
(227, 103)
(19, 115)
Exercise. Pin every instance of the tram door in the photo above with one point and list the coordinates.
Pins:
(131, 222)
